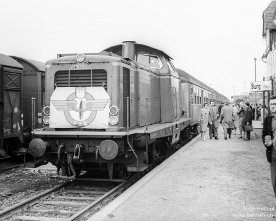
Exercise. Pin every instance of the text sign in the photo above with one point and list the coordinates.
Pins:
(260, 86)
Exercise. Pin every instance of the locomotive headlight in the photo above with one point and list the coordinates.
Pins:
(113, 110)
(46, 110)
(46, 119)
(80, 57)
(113, 120)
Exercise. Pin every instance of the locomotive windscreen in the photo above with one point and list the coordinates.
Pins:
(81, 78)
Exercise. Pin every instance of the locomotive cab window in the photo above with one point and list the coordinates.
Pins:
(171, 67)
(149, 60)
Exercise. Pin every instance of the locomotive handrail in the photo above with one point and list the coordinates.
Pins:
(127, 135)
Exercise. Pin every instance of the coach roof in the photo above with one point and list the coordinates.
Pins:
(38, 65)
(8, 61)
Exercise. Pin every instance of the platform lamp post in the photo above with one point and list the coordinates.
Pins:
(255, 59)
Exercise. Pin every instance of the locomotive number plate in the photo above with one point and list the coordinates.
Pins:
(79, 66)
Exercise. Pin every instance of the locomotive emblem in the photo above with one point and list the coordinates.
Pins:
(80, 108)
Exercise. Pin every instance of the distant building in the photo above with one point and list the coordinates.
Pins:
(269, 34)
(248, 97)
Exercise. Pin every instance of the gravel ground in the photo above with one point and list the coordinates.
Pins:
(19, 184)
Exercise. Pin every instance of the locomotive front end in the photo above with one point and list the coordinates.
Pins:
(83, 126)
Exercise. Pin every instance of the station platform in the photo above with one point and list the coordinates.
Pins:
(204, 180)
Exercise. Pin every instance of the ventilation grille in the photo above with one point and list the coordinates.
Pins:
(81, 78)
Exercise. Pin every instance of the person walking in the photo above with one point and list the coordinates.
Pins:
(227, 119)
(203, 120)
(241, 116)
(213, 121)
(247, 120)
(236, 118)
(269, 140)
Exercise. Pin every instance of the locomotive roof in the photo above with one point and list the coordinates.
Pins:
(38, 65)
(69, 58)
(140, 45)
(10, 62)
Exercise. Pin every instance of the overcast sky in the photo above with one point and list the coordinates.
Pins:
(214, 40)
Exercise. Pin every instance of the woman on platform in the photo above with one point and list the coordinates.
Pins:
(203, 120)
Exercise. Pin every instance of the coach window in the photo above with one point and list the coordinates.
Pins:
(149, 60)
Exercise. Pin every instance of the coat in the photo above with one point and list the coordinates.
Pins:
(227, 116)
(236, 117)
(267, 130)
(248, 117)
(203, 119)
(213, 116)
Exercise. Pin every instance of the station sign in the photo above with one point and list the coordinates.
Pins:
(256, 86)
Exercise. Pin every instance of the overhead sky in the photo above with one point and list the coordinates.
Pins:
(214, 40)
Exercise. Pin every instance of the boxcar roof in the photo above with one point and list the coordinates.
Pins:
(38, 65)
(10, 62)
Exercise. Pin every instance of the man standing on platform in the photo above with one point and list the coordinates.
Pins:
(213, 121)
(269, 140)
(227, 119)
(247, 120)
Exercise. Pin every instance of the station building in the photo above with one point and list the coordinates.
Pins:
(269, 34)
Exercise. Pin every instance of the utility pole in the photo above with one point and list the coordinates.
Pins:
(255, 59)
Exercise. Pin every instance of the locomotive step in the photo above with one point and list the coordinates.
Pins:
(133, 167)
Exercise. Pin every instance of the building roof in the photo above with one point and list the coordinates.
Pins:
(8, 61)
(38, 65)
(269, 16)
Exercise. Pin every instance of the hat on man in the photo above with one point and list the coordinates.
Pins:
(247, 103)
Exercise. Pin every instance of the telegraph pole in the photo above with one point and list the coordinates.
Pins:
(255, 59)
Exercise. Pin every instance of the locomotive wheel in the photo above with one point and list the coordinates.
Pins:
(120, 171)
(153, 153)
(163, 147)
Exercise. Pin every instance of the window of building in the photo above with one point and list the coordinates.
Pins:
(273, 40)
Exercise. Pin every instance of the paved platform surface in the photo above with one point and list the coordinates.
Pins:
(207, 180)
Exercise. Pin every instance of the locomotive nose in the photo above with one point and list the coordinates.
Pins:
(37, 147)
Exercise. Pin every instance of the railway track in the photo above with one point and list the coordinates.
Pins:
(74, 200)
(16, 161)
(65, 202)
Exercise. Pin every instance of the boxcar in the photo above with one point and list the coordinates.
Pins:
(33, 89)
(10, 105)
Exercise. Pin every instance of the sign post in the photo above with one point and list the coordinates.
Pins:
(261, 86)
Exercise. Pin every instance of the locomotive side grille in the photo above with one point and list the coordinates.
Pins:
(126, 93)
(81, 78)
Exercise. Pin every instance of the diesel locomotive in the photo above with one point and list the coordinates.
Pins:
(117, 110)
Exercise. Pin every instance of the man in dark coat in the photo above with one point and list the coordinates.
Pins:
(247, 120)
(213, 121)
(269, 140)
